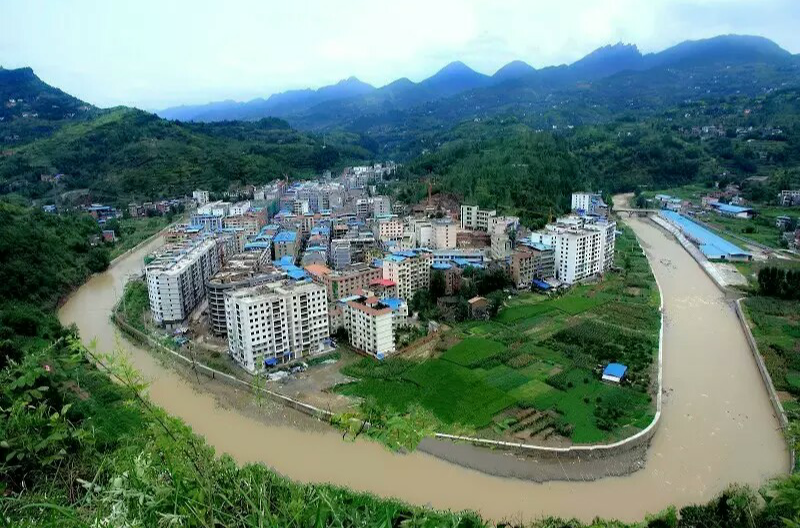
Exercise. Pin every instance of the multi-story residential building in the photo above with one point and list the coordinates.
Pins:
(341, 257)
(501, 245)
(452, 276)
(410, 270)
(535, 261)
(381, 206)
(240, 271)
(239, 208)
(200, 197)
(369, 326)
(473, 217)
(444, 233)
(206, 222)
(218, 208)
(475, 257)
(388, 228)
(284, 244)
(589, 203)
(583, 246)
(345, 282)
(251, 223)
(176, 278)
(789, 197)
(274, 323)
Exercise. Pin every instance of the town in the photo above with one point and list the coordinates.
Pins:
(336, 259)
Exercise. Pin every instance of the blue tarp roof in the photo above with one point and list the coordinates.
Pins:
(542, 285)
(393, 302)
(284, 261)
(285, 236)
(711, 244)
(296, 274)
(615, 369)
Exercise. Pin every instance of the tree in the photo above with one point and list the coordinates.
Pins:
(438, 284)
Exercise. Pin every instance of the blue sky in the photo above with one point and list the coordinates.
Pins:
(158, 53)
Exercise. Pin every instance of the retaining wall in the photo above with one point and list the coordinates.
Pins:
(140, 336)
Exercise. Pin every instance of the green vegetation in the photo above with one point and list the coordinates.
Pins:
(124, 154)
(131, 232)
(539, 353)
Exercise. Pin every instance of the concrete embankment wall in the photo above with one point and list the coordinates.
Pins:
(147, 340)
(707, 266)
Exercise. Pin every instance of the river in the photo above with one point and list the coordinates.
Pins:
(717, 426)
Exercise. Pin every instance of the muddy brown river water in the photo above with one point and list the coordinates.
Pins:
(717, 426)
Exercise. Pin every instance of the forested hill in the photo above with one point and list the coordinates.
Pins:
(30, 108)
(503, 163)
(124, 154)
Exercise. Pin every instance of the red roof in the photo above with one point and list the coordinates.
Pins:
(382, 282)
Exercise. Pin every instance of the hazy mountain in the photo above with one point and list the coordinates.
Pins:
(351, 100)
(278, 105)
(513, 70)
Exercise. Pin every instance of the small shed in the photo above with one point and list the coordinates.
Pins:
(479, 307)
(614, 372)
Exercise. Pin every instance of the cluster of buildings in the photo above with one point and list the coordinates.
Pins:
(277, 277)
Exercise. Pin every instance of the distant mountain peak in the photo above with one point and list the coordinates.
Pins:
(455, 67)
(513, 70)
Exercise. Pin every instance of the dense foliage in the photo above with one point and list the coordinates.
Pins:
(779, 282)
(128, 154)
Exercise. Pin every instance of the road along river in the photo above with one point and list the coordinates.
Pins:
(717, 425)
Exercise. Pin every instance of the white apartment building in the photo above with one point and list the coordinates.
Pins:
(475, 218)
(410, 270)
(239, 208)
(200, 197)
(176, 278)
(275, 323)
(369, 326)
(583, 247)
(218, 208)
(589, 203)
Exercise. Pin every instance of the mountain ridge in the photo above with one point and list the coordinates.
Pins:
(457, 78)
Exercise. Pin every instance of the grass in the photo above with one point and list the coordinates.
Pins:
(134, 231)
(536, 354)
(473, 350)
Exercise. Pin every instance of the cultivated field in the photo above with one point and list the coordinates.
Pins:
(533, 372)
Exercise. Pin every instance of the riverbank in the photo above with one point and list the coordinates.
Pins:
(710, 417)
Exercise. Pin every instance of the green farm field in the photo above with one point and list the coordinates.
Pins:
(533, 372)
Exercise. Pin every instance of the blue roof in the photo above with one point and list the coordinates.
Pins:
(394, 258)
(733, 209)
(285, 236)
(296, 274)
(256, 245)
(441, 266)
(377, 263)
(542, 285)
(284, 261)
(615, 369)
(711, 244)
(393, 302)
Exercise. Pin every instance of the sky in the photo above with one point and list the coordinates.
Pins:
(158, 53)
